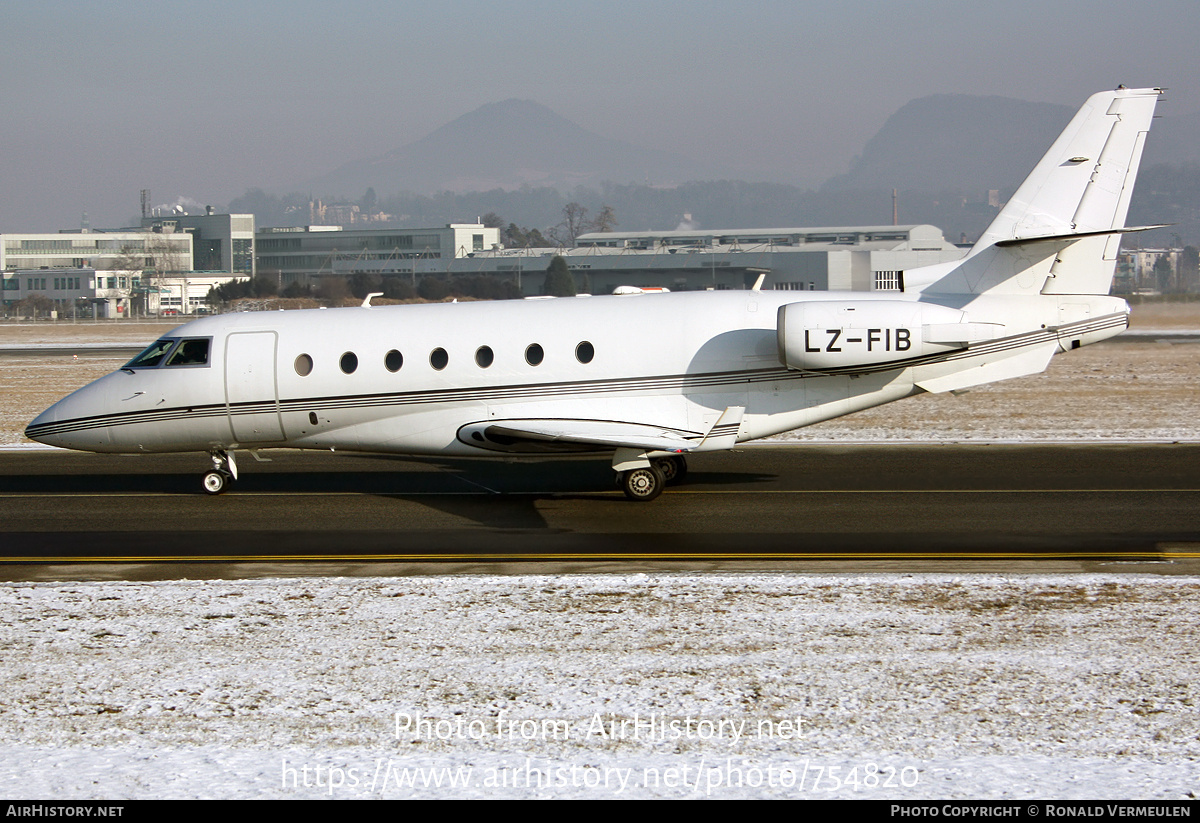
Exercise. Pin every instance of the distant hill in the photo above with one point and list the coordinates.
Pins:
(970, 144)
(1174, 138)
(524, 162)
(956, 142)
(503, 145)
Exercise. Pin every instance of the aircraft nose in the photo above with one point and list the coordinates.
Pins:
(40, 429)
(75, 422)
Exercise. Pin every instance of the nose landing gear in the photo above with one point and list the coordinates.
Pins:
(216, 482)
(224, 472)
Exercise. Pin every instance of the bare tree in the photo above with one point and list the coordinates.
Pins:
(574, 224)
(130, 261)
(165, 257)
(129, 258)
(35, 303)
(605, 221)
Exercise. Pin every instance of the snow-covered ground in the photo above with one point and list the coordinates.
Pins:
(631, 685)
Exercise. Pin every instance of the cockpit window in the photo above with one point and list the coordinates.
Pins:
(190, 353)
(153, 354)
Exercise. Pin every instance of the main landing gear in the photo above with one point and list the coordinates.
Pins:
(224, 472)
(644, 483)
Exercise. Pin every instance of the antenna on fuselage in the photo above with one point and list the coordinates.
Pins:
(366, 303)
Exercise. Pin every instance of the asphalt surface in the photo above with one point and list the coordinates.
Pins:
(786, 503)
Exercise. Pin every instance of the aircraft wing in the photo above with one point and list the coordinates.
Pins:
(552, 436)
(558, 435)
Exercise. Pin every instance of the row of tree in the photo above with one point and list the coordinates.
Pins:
(574, 223)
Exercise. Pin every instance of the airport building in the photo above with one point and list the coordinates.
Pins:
(220, 242)
(1155, 271)
(127, 249)
(111, 293)
(169, 264)
(180, 242)
(855, 258)
(300, 254)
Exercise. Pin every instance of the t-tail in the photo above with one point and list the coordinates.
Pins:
(1060, 232)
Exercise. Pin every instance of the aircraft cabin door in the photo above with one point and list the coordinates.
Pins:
(251, 391)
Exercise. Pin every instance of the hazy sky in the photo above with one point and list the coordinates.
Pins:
(205, 100)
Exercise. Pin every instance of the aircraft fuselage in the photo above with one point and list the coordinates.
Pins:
(408, 379)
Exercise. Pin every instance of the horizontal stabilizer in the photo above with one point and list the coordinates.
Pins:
(1028, 361)
(1068, 239)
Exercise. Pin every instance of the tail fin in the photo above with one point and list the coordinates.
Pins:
(1060, 231)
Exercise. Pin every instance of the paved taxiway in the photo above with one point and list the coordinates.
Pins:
(1138, 501)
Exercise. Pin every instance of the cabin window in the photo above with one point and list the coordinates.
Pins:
(152, 355)
(584, 352)
(534, 354)
(393, 360)
(190, 353)
(484, 356)
(304, 365)
(349, 362)
(438, 359)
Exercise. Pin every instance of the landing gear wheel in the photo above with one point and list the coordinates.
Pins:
(216, 482)
(674, 468)
(643, 484)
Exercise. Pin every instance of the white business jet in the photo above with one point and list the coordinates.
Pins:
(649, 378)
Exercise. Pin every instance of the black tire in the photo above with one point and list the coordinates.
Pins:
(674, 468)
(643, 485)
(216, 482)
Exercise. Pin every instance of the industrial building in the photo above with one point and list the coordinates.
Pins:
(112, 293)
(220, 242)
(126, 249)
(169, 264)
(856, 258)
(299, 254)
(172, 260)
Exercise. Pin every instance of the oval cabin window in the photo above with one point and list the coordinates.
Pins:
(304, 365)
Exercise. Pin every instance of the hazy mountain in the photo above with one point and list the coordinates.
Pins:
(524, 162)
(503, 145)
(958, 142)
(1173, 138)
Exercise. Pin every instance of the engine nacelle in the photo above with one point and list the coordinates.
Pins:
(835, 334)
